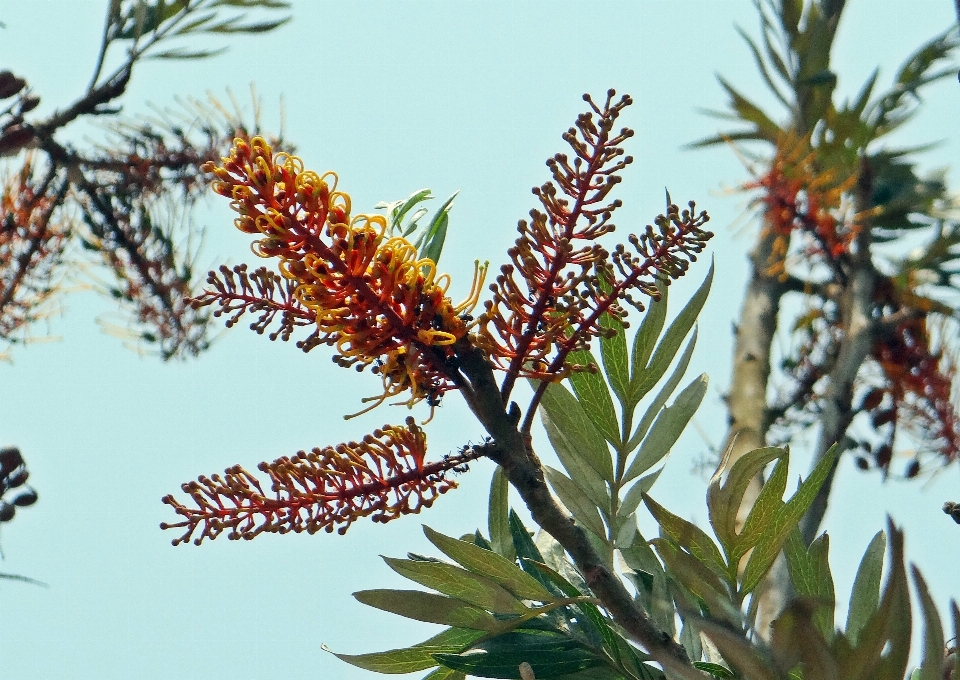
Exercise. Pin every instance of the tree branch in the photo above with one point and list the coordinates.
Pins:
(514, 453)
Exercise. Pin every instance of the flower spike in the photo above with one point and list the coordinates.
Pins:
(372, 297)
(382, 477)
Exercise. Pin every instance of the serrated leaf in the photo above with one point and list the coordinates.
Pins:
(594, 396)
(581, 507)
(414, 604)
(489, 564)
(577, 468)
(568, 415)
(498, 522)
(665, 393)
(724, 496)
(550, 656)
(415, 658)
(667, 428)
(865, 595)
(784, 520)
(458, 583)
(643, 380)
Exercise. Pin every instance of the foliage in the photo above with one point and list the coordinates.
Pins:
(125, 200)
(868, 245)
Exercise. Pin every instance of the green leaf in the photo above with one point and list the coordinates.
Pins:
(430, 243)
(581, 507)
(550, 656)
(643, 380)
(865, 596)
(665, 392)
(667, 428)
(414, 604)
(442, 673)
(416, 658)
(489, 564)
(687, 535)
(459, 583)
(594, 396)
(742, 654)
(572, 421)
(499, 515)
(616, 360)
(578, 469)
(933, 642)
(750, 112)
(811, 577)
(647, 335)
(714, 669)
(761, 515)
(785, 519)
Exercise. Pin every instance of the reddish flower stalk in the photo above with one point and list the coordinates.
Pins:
(382, 477)
(531, 325)
(264, 293)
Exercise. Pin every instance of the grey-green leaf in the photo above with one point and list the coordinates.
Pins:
(414, 604)
(459, 583)
(644, 380)
(667, 428)
(589, 481)
(416, 658)
(490, 564)
(594, 396)
(581, 507)
(572, 421)
(498, 521)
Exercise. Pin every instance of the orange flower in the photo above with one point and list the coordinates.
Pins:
(373, 298)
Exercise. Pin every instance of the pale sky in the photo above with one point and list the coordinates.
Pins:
(394, 96)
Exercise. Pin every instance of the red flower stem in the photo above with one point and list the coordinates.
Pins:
(559, 262)
(581, 328)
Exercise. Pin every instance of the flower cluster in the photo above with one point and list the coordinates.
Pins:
(382, 477)
(916, 393)
(548, 301)
(797, 198)
(372, 297)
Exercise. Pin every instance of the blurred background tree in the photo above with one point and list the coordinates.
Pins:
(114, 212)
(855, 265)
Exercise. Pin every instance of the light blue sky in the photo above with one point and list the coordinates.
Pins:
(394, 96)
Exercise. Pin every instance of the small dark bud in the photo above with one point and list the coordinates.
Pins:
(17, 478)
(15, 138)
(862, 463)
(10, 84)
(7, 511)
(10, 459)
(913, 469)
(28, 497)
(29, 103)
